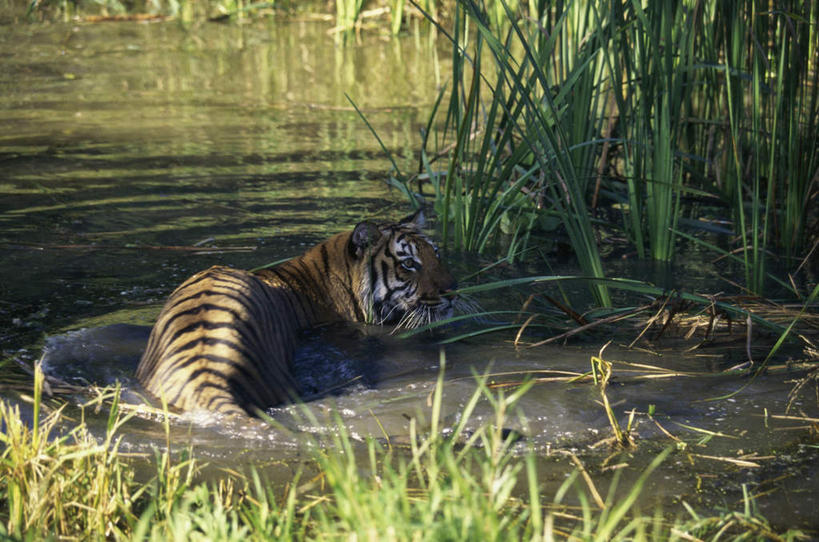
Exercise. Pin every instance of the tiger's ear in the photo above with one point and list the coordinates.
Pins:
(364, 235)
(416, 219)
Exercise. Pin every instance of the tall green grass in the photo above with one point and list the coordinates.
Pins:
(515, 159)
(650, 90)
(770, 90)
(61, 484)
(556, 109)
(347, 13)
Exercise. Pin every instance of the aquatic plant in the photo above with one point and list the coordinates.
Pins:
(667, 113)
(513, 162)
(771, 93)
(347, 13)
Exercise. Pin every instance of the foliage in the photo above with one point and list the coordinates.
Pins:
(347, 13)
(68, 484)
(771, 86)
(669, 112)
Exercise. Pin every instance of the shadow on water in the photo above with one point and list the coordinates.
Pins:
(134, 155)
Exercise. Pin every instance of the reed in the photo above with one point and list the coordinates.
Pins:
(648, 107)
(514, 160)
(722, 110)
(347, 14)
(651, 57)
(396, 16)
(771, 95)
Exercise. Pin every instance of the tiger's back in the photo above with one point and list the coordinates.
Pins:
(211, 345)
(225, 338)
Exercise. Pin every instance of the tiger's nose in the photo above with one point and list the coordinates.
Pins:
(450, 287)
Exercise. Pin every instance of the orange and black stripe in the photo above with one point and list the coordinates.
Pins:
(225, 338)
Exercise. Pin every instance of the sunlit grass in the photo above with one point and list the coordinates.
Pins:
(448, 483)
(65, 483)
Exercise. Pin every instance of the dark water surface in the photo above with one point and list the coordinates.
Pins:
(133, 155)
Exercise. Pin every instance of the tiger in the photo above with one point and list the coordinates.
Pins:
(225, 338)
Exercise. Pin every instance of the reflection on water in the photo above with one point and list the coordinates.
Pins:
(115, 137)
(133, 155)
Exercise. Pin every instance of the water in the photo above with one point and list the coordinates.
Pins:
(122, 136)
(134, 155)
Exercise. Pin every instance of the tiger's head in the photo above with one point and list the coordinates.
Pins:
(404, 281)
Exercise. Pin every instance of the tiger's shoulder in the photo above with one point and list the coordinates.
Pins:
(225, 338)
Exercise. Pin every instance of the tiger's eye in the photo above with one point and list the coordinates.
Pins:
(409, 264)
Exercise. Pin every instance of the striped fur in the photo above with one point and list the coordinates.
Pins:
(225, 338)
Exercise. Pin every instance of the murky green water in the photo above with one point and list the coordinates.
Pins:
(133, 155)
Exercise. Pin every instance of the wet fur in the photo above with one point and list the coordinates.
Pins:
(225, 339)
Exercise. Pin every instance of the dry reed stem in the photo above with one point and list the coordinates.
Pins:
(622, 438)
(738, 462)
(685, 536)
(607, 320)
(664, 430)
(710, 318)
(650, 322)
(587, 478)
(798, 418)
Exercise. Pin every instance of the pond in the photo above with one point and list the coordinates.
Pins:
(134, 155)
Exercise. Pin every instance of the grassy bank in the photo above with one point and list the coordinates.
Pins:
(59, 480)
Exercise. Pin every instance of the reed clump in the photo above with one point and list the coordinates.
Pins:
(645, 122)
